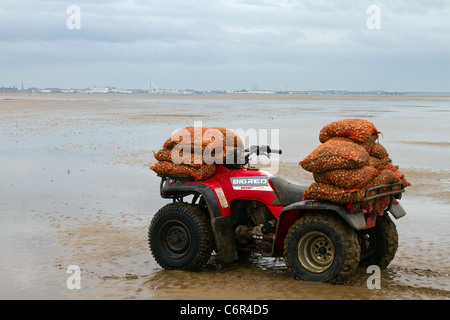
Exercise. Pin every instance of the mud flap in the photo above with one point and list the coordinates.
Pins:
(397, 211)
(224, 237)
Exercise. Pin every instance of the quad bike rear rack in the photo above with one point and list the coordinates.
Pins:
(397, 194)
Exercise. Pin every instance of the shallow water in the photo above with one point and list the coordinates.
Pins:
(76, 190)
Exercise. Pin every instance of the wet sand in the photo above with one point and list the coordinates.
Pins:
(76, 190)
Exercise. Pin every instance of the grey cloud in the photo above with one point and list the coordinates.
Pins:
(272, 42)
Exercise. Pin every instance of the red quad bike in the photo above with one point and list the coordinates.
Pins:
(242, 208)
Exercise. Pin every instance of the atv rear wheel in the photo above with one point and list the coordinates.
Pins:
(321, 247)
(180, 237)
(379, 243)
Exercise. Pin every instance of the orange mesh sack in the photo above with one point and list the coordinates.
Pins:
(378, 151)
(389, 175)
(377, 163)
(385, 177)
(381, 204)
(368, 144)
(205, 136)
(198, 173)
(355, 129)
(323, 191)
(405, 182)
(215, 142)
(335, 154)
(398, 174)
(188, 155)
(347, 178)
(189, 135)
(193, 157)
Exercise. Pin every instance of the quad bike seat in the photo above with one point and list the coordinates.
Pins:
(286, 191)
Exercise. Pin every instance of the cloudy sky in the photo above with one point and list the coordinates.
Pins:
(393, 45)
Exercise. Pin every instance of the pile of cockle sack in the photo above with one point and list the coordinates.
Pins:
(194, 152)
(349, 161)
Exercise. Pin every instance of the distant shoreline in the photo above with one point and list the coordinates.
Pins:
(240, 96)
(195, 92)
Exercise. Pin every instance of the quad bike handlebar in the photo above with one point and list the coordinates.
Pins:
(242, 156)
(264, 150)
(260, 150)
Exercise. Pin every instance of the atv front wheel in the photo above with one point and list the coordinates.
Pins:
(379, 243)
(320, 247)
(180, 237)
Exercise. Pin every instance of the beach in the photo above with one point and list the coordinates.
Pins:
(77, 190)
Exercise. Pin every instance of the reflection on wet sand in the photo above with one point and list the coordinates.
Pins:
(78, 191)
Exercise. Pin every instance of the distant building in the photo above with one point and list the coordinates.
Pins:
(100, 90)
(8, 90)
